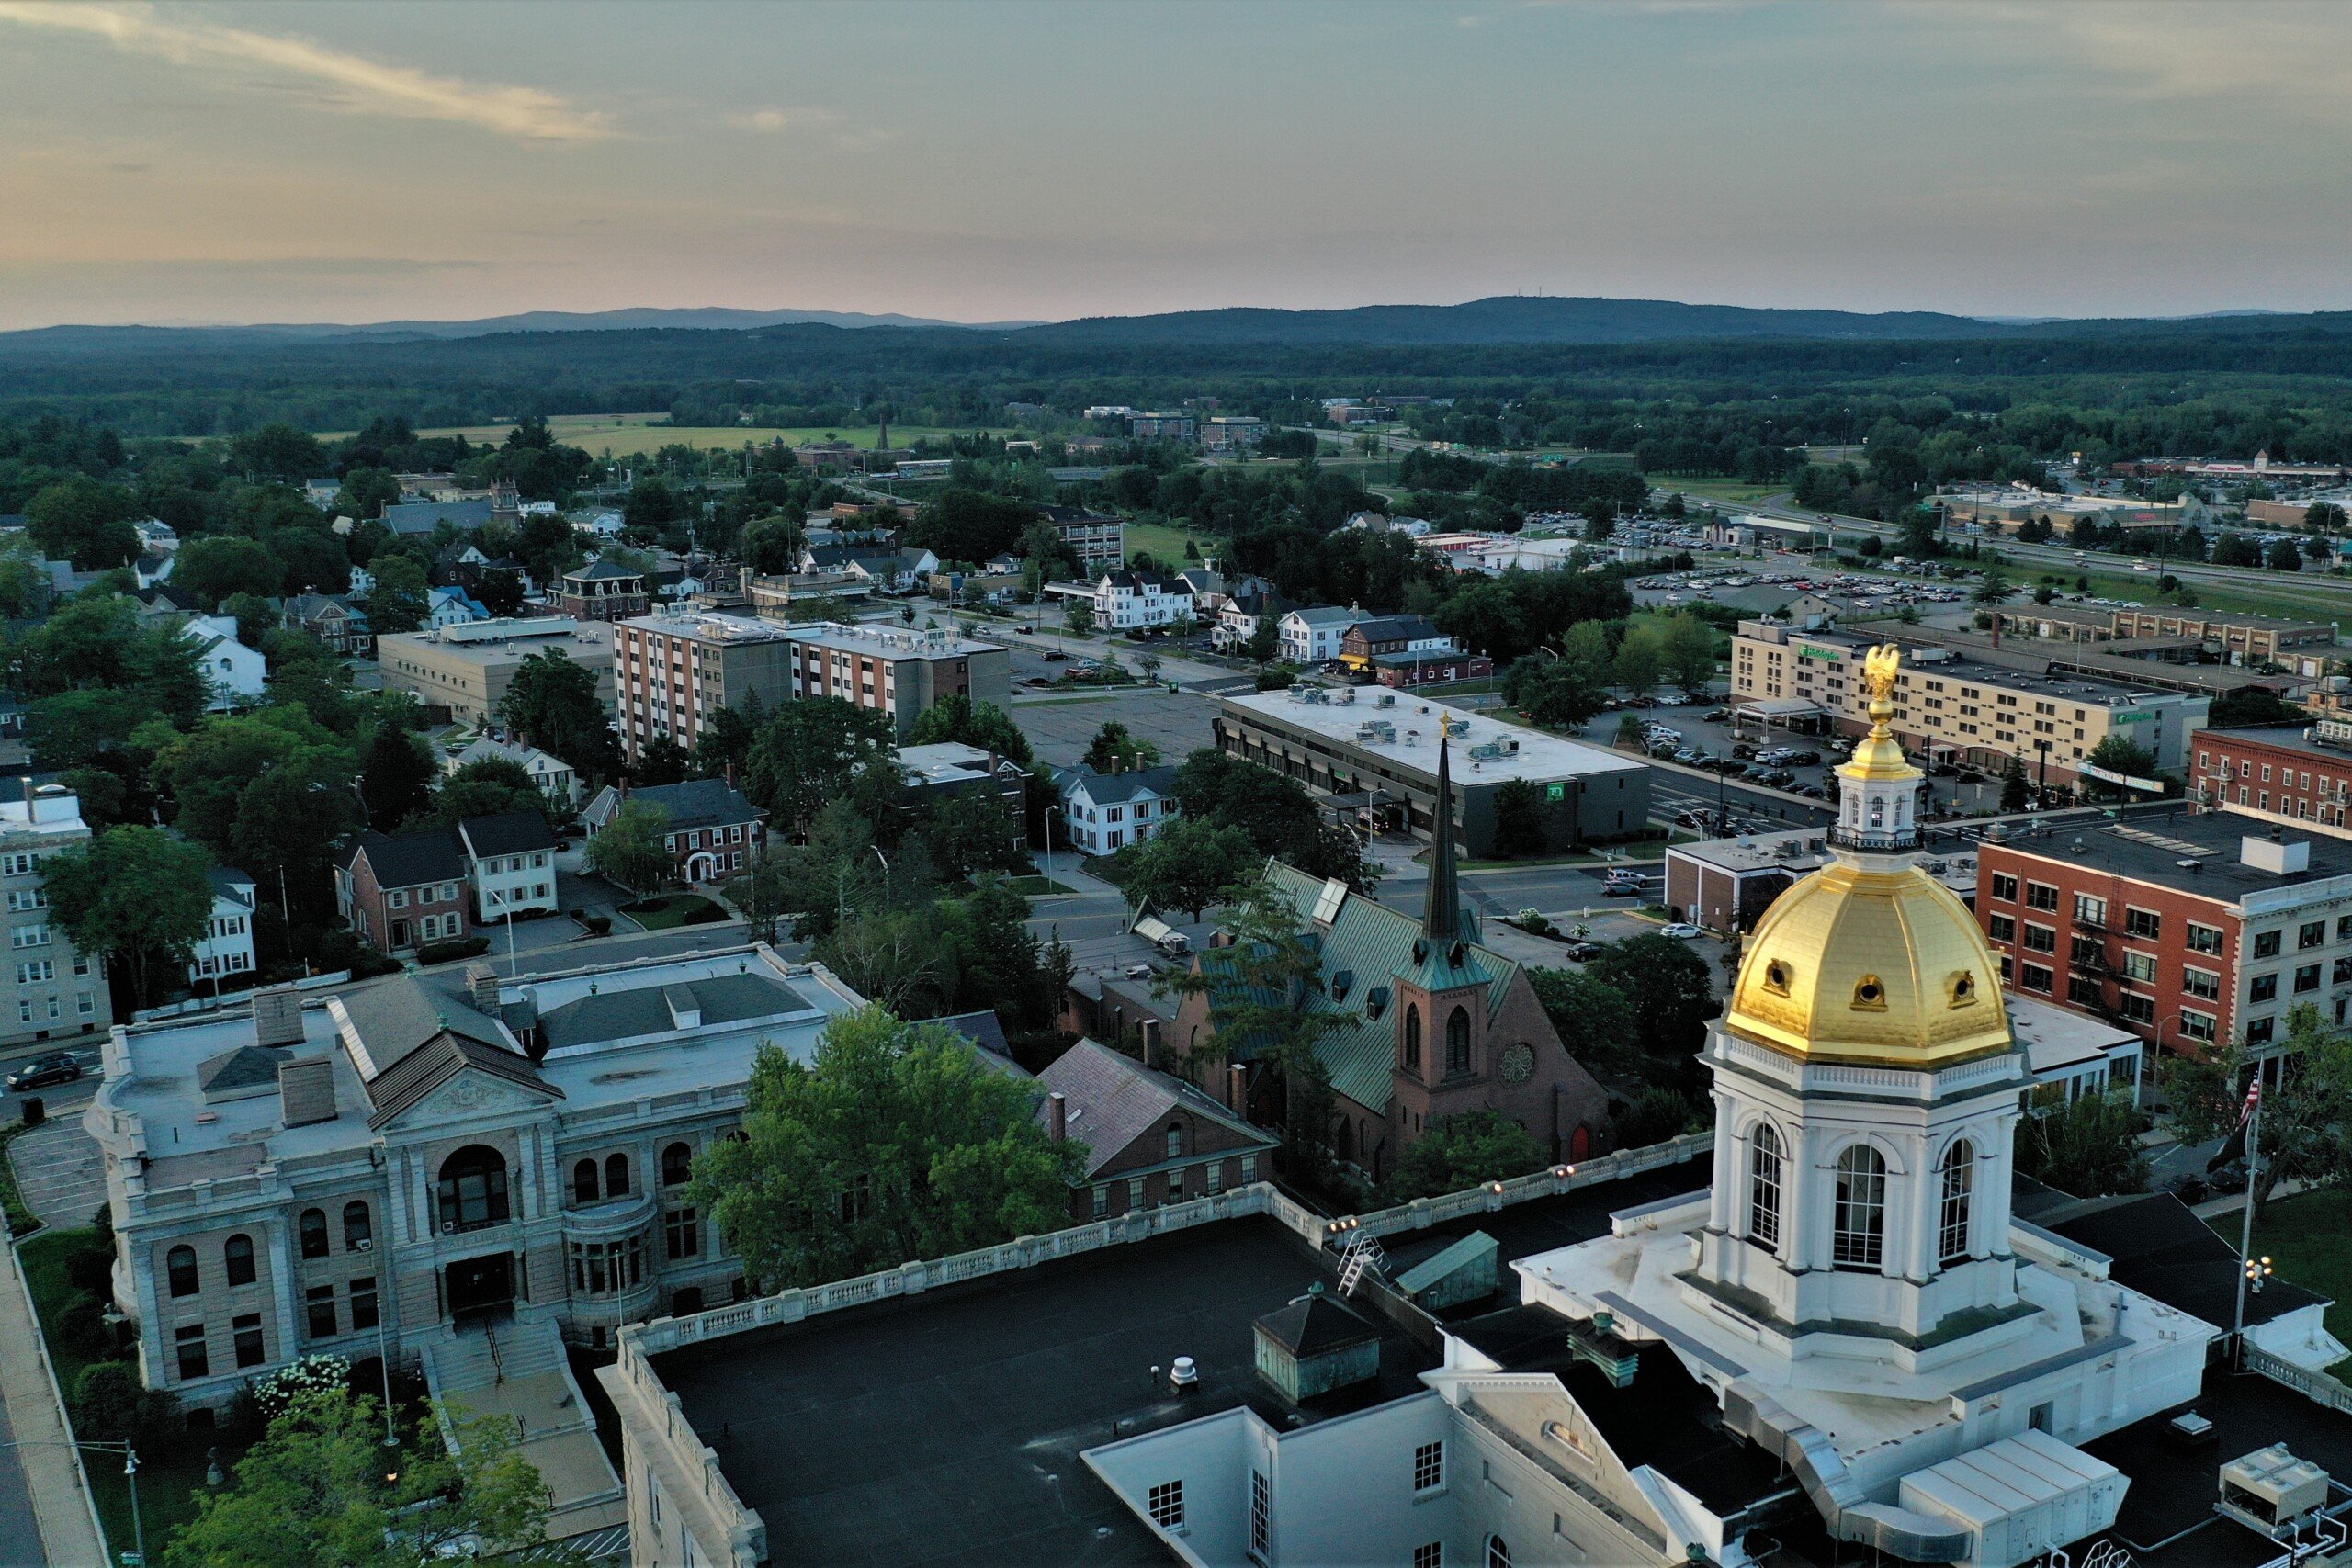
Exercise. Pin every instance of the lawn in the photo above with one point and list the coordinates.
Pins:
(2309, 1240)
(1164, 543)
(1716, 487)
(170, 1473)
(673, 910)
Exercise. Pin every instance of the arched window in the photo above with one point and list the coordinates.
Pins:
(1413, 1034)
(1457, 1041)
(358, 1226)
(1959, 1188)
(473, 1188)
(180, 1263)
(1498, 1552)
(584, 1182)
(314, 1232)
(1858, 1233)
(677, 1164)
(616, 1175)
(1175, 1140)
(1764, 1187)
(238, 1255)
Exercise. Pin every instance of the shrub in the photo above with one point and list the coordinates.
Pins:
(91, 1270)
(598, 925)
(704, 914)
(445, 952)
(110, 1405)
(311, 1374)
(83, 1327)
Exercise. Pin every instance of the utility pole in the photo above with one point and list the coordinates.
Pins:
(2245, 1225)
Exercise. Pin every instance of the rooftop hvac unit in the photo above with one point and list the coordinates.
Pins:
(1345, 694)
(2270, 1488)
(1387, 699)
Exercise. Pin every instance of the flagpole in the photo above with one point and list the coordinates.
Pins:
(2245, 1226)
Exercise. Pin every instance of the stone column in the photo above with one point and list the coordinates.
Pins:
(282, 1285)
(1731, 1151)
(1807, 1195)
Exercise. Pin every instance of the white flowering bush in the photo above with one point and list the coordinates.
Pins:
(311, 1374)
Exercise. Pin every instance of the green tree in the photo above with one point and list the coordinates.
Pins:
(895, 1144)
(1114, 747)
(1466, 1149)
(661, 760)
(1595, 1022)
(84, 522)
(1079, 618)
(137, 895)
(1281, 818)
(256, 616)
(1258, 990)
(1189, 864)
(630, 849)
(1519, 819)
(771, 546)
(1687, 648)
(2014, 794)
(315, 1491)
(1640, 660)
(822, 749)
(396, 776)
(956, 718)
(2325, 515)
(226, 564)
(277, 451)
(365, 492)
(552, 702)
(2088, 1148)
(1265, 640)
(2283, 555)
(1668, 987)
(399, 601)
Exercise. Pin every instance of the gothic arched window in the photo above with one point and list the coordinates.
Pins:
(1457, 1040)
(1413, 1034)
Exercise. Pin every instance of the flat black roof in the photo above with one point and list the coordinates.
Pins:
(2159, 1247)
(946, 1428)
(2148, 846)
(2292, 737)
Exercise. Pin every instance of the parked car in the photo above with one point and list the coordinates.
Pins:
(1682, 931)
(1056, 656)
(1716, 715)
(58, 1066)
(1805, 760)
(1621, 889)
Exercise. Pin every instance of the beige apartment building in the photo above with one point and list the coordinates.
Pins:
(2241, 639)
(674, 670)
(51, 990)
(467, 668)
(1951, 708)
(900, 671)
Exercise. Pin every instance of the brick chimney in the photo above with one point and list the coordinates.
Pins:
(1058, 1115)
(1236, 1091)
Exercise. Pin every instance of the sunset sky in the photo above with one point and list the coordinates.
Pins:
(332, 161)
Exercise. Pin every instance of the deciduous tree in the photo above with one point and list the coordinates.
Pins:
(629, 850)
(138, 897)
(1466, 1149)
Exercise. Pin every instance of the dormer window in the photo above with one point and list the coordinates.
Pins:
(1341, 984)
(1963, 989)
(1376, 1002)
(1776, 978)
(1868, 995)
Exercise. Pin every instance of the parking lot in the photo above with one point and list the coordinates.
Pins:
(1716, 737)
(1059, 728)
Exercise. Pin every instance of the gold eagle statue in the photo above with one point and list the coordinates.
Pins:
(1879, 669)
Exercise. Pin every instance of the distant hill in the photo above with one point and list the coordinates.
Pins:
(643, 319)
(1528, 319)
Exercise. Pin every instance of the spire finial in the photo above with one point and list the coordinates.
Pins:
(1441, 921)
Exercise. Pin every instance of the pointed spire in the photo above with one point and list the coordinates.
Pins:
(1442, 922)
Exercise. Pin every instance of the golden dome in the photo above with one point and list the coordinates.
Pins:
(1869, 964)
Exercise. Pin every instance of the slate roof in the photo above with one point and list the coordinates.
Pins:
(229, 883)
(602, 571)
(438, 1060)
(407, 859)
(1112, 789)
(424, 516)
(1395, 628)
(506, 833)
(1111, 1099)
(622, 1014)
(984, 1029)
(697, 803)
(396, 1016)
(1369, 944)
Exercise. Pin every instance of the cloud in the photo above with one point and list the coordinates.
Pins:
(347, 82)
(2238, 54)
(772, 121)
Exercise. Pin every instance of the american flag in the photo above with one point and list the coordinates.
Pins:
(2253, 1101)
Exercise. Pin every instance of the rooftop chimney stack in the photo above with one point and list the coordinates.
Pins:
(278, 1016)
(1058, 1115)
(306, 1092)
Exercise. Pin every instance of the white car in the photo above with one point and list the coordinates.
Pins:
(1679, 929)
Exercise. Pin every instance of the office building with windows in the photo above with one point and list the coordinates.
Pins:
(674, 673)
(897, 671)
(52, 989)
(2186, 927)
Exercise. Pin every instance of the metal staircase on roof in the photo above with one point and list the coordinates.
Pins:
(1361, 1255)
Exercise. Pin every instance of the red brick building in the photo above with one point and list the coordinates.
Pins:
(401, 891)
(712, 830)
(2275, 774)
(1151, 1139)
(2186, 928)
(603, 591)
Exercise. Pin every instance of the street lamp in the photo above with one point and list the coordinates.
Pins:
(130, 1469)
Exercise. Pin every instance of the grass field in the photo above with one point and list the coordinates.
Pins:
(622, 434)
(2309, 1241)
(1731, 491)
(1165, 545)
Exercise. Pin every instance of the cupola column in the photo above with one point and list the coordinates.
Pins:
(1922, 1193)
(1810, 1194)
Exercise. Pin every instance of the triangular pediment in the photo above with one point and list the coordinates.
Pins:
(468, 1094)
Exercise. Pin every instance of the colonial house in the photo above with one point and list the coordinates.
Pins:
(602, 590)
(337, 621)
(510, 865)
(1130, 601)
(711, 828)
(226, 949)
(554, 777)
(453, 607)
(1368, 638)
(235, 673)
(1151, 1139)
(400, 891)
(1238, 618)
(1432, 1021)
(1312, 637)
(153, 569)
(1106, 812)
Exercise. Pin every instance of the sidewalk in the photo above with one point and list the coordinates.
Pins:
(51, 1467)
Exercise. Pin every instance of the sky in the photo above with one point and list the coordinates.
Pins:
(984, 162)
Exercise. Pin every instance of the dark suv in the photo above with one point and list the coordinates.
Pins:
(58, 1066)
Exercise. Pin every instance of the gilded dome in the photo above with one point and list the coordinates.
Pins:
(1869, 964)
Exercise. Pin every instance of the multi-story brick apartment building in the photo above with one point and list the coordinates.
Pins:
(603, 591)
(897, 671)
(1957, 709)
(2300, 774)
(467, 668)
(2186, 927)
(48, 987)
(674, 671)
(1099, 542)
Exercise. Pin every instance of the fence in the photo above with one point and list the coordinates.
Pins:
(2318, 1386)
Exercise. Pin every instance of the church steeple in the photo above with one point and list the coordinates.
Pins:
(1441, 921)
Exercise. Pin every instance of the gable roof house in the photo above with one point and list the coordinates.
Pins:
(712, 827)
(1124, 599)
(1312, 636)
(336, 621)
(554, 777)
(1106, 812)
(232, 672)
(1432, 1021)
(1151, 1139)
